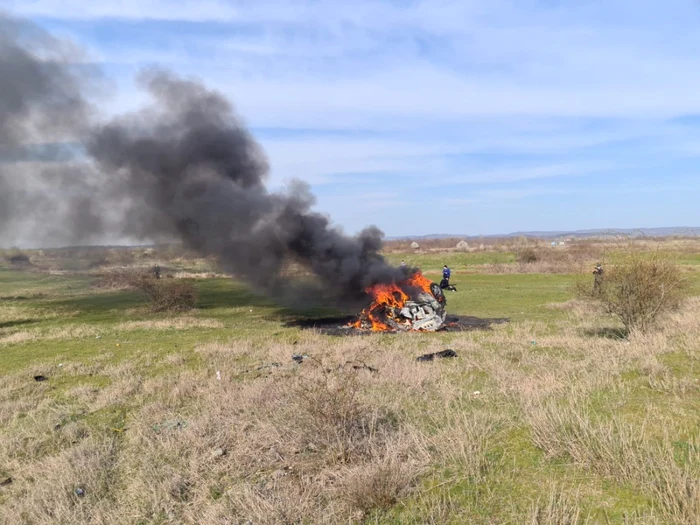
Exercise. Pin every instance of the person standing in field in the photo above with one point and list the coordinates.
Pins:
(445, 283)
(446, 272)
(597, 278)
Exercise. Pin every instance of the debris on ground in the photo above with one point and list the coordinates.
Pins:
(271, 365)
(40, 378)
(174, 424)
(80, 492)
(219, 452)
(444, 353)
(359, 365)
(299, 358)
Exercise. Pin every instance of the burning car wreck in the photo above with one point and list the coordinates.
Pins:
(414, 304)
(417, 304)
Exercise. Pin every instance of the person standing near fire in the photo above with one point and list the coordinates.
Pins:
(446, 272)
(445, 283)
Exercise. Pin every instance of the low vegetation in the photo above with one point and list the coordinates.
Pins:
(119, 279)
(561, 416)
(17, 258)
(166, 295)
(639, 289)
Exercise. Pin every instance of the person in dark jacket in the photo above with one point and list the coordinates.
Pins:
(445, 283)
(446, 273)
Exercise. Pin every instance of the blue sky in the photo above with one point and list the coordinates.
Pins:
(465, 117)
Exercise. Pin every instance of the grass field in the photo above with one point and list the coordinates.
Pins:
(203, 417)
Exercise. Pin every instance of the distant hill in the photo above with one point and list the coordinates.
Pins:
(578, 234)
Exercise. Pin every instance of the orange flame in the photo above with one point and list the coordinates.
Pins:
(418, 280)
(386, 297)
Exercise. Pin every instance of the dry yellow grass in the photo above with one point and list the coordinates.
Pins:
(52, 334)
(10, 315)
(559, 507)
(200, 275)
(15, 335)
(333, 441)
(174, 323)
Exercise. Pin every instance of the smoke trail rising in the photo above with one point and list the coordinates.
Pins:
(185, 166)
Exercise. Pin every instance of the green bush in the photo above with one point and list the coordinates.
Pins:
(638, 288)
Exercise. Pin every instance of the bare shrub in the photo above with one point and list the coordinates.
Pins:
(331, 414)
(119, 279)
(527, 255)
(169, 295)
(638, 289)
(17, 258)
(377, 485)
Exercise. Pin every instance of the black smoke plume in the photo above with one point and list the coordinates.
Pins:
(44, 192)
(185, 167)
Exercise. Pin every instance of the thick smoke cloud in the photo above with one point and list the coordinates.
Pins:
(43, 191)
(184, 167)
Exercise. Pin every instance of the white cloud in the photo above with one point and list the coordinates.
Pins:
(489, 195)
(449, 89)
(527, 173)
(306, 63)
(423, 164)
(195, 11)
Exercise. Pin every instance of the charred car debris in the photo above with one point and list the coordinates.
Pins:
(416, 304)
(400, 311)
